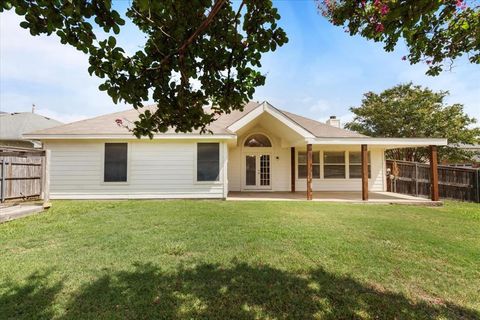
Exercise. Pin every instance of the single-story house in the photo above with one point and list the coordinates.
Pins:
(260, 148)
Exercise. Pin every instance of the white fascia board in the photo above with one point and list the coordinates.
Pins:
(266, 107)
(387, 143)
(287, 121)
(246, 119)
(130, 137)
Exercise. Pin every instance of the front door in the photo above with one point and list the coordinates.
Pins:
(257, 172)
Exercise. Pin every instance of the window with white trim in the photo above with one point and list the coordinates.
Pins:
(302, 165)
(208, 162)
(257, 140)
(355, 165)
(334, 165)
(115, 162)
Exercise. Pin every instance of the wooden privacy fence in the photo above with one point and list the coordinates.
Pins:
(22, 174)
(414, 179)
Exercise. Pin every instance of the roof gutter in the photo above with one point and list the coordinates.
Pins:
(130, 137)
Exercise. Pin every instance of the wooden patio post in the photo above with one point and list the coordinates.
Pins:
(364, 172)
(309, 171)
(292, 169)
(434, 173)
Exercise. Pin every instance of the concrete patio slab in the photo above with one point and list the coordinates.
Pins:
(330, 196)
(8, 213)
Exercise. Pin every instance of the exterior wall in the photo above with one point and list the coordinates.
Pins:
(280, 162)
(281, 168)
(156, 169)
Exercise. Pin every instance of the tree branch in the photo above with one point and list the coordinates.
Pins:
(230, 58)
(205, 23)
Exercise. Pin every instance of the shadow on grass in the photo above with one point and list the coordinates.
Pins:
(207, 291)
(33, 299)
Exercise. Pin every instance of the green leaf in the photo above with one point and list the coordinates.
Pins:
(112, 41)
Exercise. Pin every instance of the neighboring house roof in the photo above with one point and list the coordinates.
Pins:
(106, 124)
(14, 125)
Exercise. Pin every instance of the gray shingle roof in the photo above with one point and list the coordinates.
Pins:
(13, 125)
(106, 124)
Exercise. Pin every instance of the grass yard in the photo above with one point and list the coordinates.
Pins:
(241, 260)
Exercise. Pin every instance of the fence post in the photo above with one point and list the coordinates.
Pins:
(416, 179)
(477, 187)
(2, 196)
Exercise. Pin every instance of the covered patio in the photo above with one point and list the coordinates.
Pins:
(385, 144)
(280, 155)
(333, 196)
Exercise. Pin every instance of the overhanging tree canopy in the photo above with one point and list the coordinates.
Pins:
(196, 53)
(435, 31)
(201, 52)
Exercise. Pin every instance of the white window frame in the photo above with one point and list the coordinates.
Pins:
(359, 164)
(102, 165)
(313, 164)
(221, 167)
(345, 164)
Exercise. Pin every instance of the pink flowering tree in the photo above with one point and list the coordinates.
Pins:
(435, 32)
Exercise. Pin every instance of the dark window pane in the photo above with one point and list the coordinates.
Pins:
(334, 157)
(356, 157)
(208, 161)
(115, 169)
(302, 157)
(251, 170)
(316, 171)
(302, 171)
(356, 171)
(257, 140)
(334, 172)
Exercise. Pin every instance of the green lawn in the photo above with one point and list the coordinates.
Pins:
(241, 260)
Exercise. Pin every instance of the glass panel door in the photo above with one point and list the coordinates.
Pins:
(265, 170)
(257, 171)
(251, 170)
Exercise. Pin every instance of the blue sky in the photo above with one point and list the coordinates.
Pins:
(322, 71)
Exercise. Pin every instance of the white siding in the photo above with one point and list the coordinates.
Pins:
(156, 169)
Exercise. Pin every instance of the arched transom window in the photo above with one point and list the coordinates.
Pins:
(257, 141)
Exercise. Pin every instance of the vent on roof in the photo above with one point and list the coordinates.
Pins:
(334, 122)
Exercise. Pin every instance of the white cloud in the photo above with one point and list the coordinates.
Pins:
(320, 107)
(41, 70)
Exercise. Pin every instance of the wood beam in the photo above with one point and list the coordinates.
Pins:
(364, 172)
(309, 172)
(434, 173)
(292, 169)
